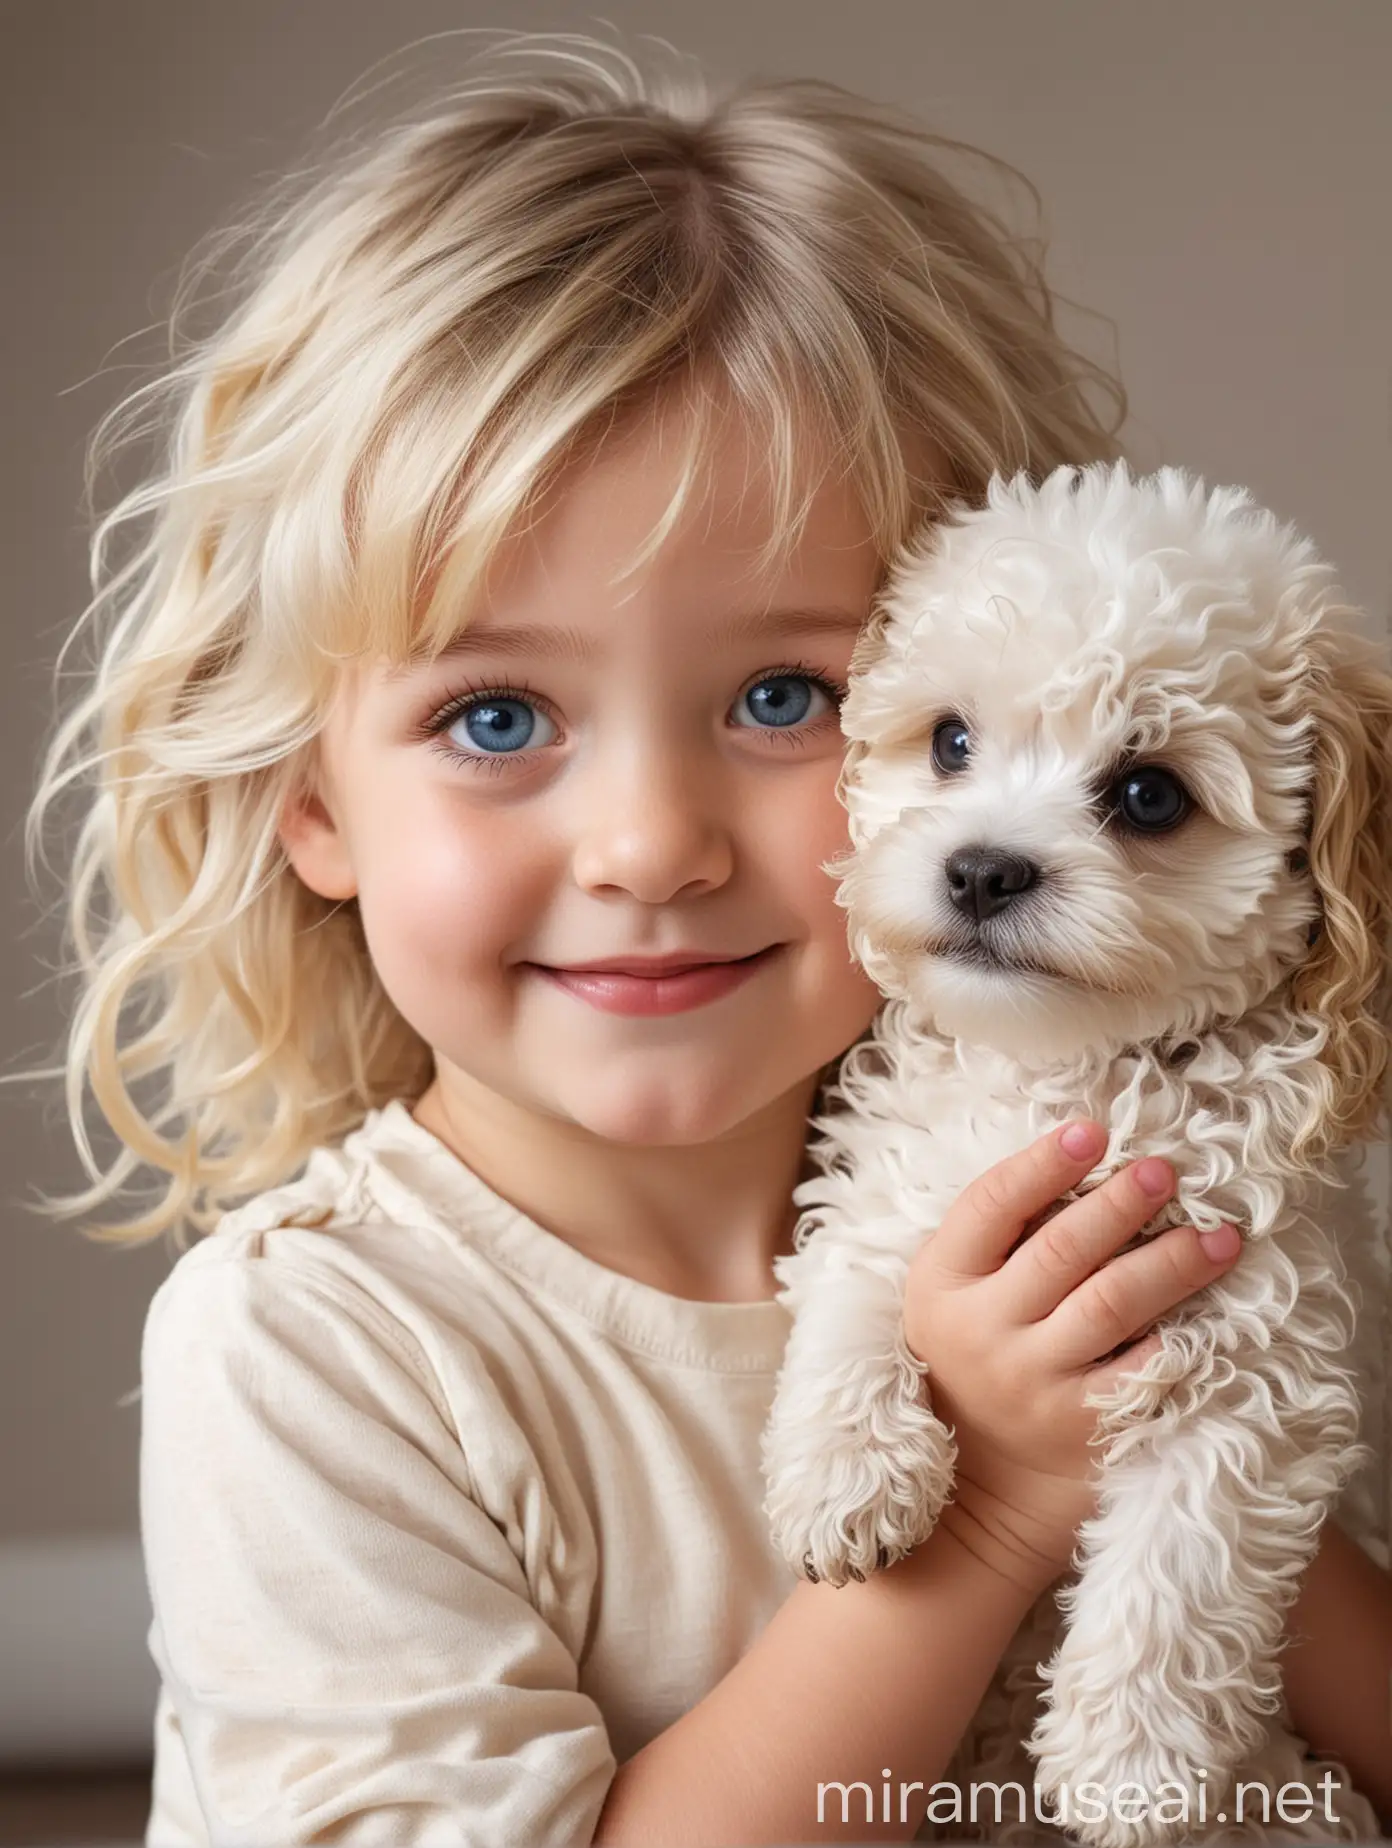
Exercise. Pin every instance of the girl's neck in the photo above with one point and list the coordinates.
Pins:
(703, 1221)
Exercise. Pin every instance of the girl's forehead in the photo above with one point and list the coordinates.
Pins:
(627, 523)
(835, 619)
(682, 495)
(695, 478)
(642, 522)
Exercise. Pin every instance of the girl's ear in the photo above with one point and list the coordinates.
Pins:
(1344, 980)
(314, 845)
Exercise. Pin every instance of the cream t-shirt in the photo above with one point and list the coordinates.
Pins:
(442, 1519)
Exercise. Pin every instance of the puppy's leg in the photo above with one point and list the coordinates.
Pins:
(1167, 1672)
(856, 1462)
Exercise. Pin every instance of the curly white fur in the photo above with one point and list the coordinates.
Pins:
(1078, 628)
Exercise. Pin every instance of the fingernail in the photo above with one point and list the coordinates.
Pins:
(1081, 1140)
(1154, 1176)
(1222, 1243)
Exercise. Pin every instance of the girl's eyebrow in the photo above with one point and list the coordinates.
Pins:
(570, 644)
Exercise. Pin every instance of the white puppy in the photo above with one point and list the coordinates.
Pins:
(1118, 788)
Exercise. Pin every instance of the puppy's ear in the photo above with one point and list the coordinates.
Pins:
(1344, 980)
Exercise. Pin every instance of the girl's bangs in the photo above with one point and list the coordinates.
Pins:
(427, 515)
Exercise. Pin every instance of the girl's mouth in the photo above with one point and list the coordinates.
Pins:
(616, 993)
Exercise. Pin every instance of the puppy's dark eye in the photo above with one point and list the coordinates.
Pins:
(1149, 800)
(951, 746)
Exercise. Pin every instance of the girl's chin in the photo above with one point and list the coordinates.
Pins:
(681, 1111)
(641, 1125)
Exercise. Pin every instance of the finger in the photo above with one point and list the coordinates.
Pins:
(988, 1216)
(1137, 1289)
(1069, 1247)
(1132, 1359)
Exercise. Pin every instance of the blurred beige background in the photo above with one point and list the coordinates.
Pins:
(1215, 178)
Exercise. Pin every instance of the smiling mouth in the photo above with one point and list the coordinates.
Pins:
(674, 990)
(654, 968)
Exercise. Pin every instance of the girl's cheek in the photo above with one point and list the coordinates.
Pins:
(444, 886)
(819, 832)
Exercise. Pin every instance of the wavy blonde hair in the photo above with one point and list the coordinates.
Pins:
(421, 328)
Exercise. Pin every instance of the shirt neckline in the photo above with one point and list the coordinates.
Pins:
(411, 1165)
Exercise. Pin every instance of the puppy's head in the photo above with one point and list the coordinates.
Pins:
(1119, 769)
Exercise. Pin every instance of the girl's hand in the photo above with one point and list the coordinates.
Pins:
(1014, 1340)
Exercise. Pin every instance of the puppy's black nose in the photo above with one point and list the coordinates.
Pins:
(982, 880)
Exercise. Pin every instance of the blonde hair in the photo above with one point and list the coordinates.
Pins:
(423, 328)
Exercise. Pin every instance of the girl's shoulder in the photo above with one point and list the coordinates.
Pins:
(344, 1339)
(380, 1223)
(366, 1281)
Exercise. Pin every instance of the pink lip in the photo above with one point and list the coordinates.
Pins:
(666, 984)
(669, 964)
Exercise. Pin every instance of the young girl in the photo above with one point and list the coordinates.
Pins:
(464, 755)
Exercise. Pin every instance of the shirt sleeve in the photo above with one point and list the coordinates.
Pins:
(346, 1637)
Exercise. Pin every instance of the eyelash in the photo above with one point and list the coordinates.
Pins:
(432, 729)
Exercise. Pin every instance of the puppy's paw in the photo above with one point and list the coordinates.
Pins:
(836, 1546)
(814, 1577)
(851, 1549)
(841, 1506)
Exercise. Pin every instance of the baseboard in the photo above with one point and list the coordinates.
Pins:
(77, 1685)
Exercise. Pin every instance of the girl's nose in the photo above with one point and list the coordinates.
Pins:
(654, 830)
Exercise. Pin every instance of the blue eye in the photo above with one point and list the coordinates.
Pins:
(495, 726)
(782, 700)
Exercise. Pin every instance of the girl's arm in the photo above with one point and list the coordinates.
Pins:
(1338, 1666)
(842, 1686)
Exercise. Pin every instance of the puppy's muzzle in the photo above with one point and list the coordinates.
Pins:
(983, 881)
